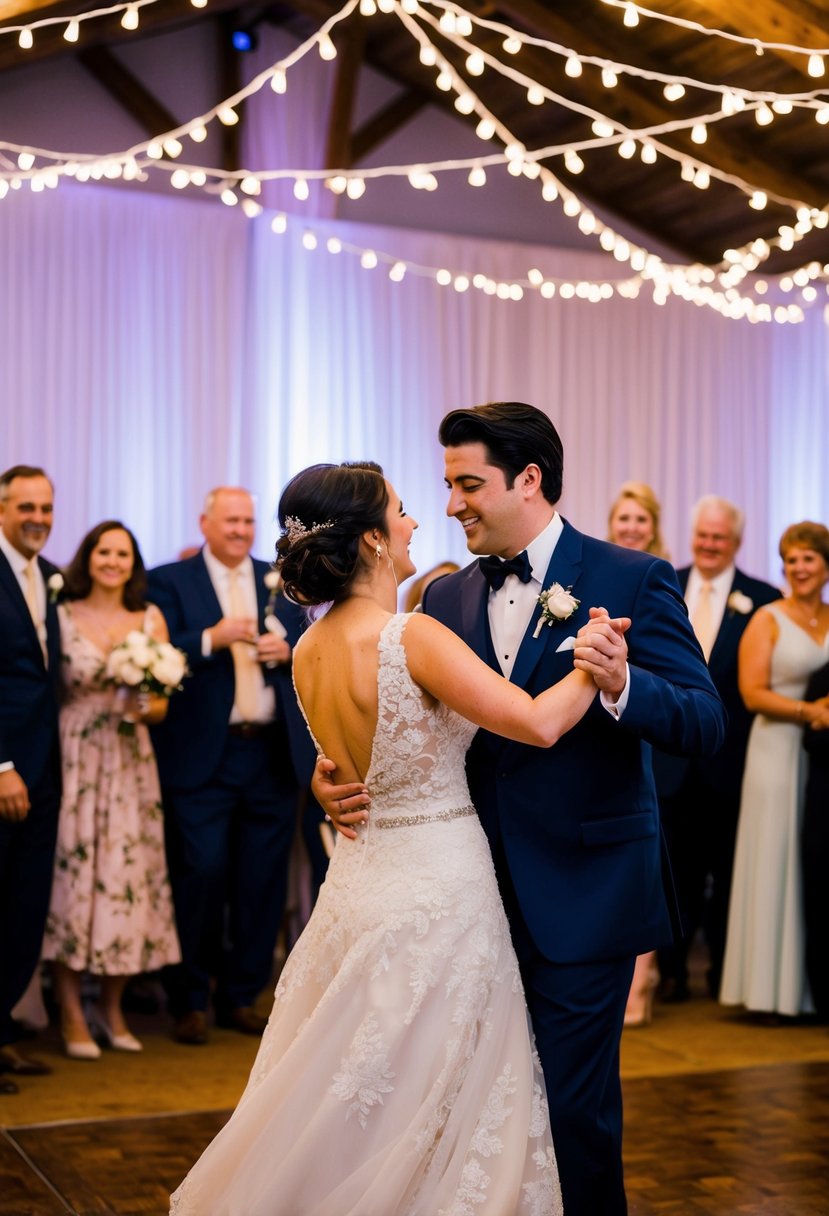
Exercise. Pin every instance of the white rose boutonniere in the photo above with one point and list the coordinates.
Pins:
(738, 601)
(55, 585)
(557, 604)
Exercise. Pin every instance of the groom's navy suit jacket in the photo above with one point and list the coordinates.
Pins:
(578, 824)
(190, 741)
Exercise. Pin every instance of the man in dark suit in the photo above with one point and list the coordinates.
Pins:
(574, 830)
(700, 799)
(29, 750)
(228, 782)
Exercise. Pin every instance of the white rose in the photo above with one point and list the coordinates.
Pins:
(139, 648)
(55, 583)
(128, 673)
(738, 601)
(272, 580)
(560, 603)
(169, 666)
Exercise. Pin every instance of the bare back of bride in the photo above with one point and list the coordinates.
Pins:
(397, 1074)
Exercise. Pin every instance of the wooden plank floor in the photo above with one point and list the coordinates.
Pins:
(751, 1140)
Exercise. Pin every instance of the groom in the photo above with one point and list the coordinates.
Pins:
(574, 830)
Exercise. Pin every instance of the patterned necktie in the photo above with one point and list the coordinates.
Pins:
(703, 619)
(245, 665)
(495, 570)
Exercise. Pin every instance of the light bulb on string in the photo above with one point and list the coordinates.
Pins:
(198, 177)
(279, 224)
(486, 128)
(250, 185)
(573, 162)
(443, 277)
(356, 187)
(173, 148)
(448, 21)
(198, 133)
(25, 160)
(279, 81)
(627, 149)
(758, 200)
(699, 133)
(367, 8)
(673, 91)
(460, 283)
(155, 150)
(301, 189)
(428, 55)
(334, 245)
(199, 3)
(648, 154)
(180, 179)
(549, 191)
(397, 272)
(631, 17)
(26, 41)
(228, 197)
(465, 103)
(816, 65)
(535, 95)
(327, 49)
(477, 176)
(512, 45)
(822, 115)
(609, 78)
(572, 66)
(782, 105)
(130, 19)
(72, 31)
(444, 80)
(309, 240)
(763, 116)
(475, 64)
(337, 184)
(602, 129)
(227, 116)
(571, 206)
(385, 6)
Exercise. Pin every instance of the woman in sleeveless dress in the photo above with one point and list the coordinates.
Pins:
(111, 910)
(786, 641)
(397, 1075)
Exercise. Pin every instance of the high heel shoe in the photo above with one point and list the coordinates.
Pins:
(81, 1049)
(119, 1042)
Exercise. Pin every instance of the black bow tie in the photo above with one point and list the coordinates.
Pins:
(495, 570)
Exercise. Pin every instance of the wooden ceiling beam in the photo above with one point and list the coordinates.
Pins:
(338, 151)
(152, 117)
(382, 125)
(727, 153)
(793, 21)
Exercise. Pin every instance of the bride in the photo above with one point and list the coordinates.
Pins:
(397, 1075)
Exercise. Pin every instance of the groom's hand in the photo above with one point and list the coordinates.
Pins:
(345, 805)
(601, 651)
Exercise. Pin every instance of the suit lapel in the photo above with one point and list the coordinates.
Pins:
(52, 623)
(565, 567)
(8, 580)
(205, 590)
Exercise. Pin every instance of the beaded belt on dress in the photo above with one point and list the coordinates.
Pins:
(410, 821)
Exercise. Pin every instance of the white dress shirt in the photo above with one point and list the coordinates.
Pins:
(510, 608)
(220, 576)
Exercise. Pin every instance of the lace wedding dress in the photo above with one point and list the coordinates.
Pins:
(397, 1075)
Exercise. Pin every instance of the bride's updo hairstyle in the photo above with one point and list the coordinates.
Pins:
(324, 512)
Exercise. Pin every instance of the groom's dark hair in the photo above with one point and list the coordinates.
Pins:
(514, 435)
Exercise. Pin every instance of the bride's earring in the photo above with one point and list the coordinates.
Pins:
(378, 552)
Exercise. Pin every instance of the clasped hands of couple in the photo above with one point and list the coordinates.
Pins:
(599, 649)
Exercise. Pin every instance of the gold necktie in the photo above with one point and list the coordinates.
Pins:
(703, 619)
(31, 601)
(245, 666)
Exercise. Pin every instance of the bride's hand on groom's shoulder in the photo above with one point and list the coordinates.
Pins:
(346, 806)
(601, 650)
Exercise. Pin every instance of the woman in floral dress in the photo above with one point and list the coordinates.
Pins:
(111, 910)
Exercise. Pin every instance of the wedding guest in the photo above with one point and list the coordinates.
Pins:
(111, 912)
(29, 756)
(634, 520)
(416, 589)
(228, 782)
(699, 801)
(783, 645)
(633, 523)
(397, 1072)
(574, 831)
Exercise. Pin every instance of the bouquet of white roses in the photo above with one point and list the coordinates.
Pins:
(146, 665)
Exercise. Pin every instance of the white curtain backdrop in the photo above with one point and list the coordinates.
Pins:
(155, 347)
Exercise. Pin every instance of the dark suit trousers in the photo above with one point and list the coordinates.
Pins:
(27, 859)
(815, 854)
(700, 826)
(229, 844)
(577, 1011)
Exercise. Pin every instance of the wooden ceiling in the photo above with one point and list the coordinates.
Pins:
(788, 159)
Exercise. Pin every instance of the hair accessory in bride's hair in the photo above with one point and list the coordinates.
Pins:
(296, 530)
